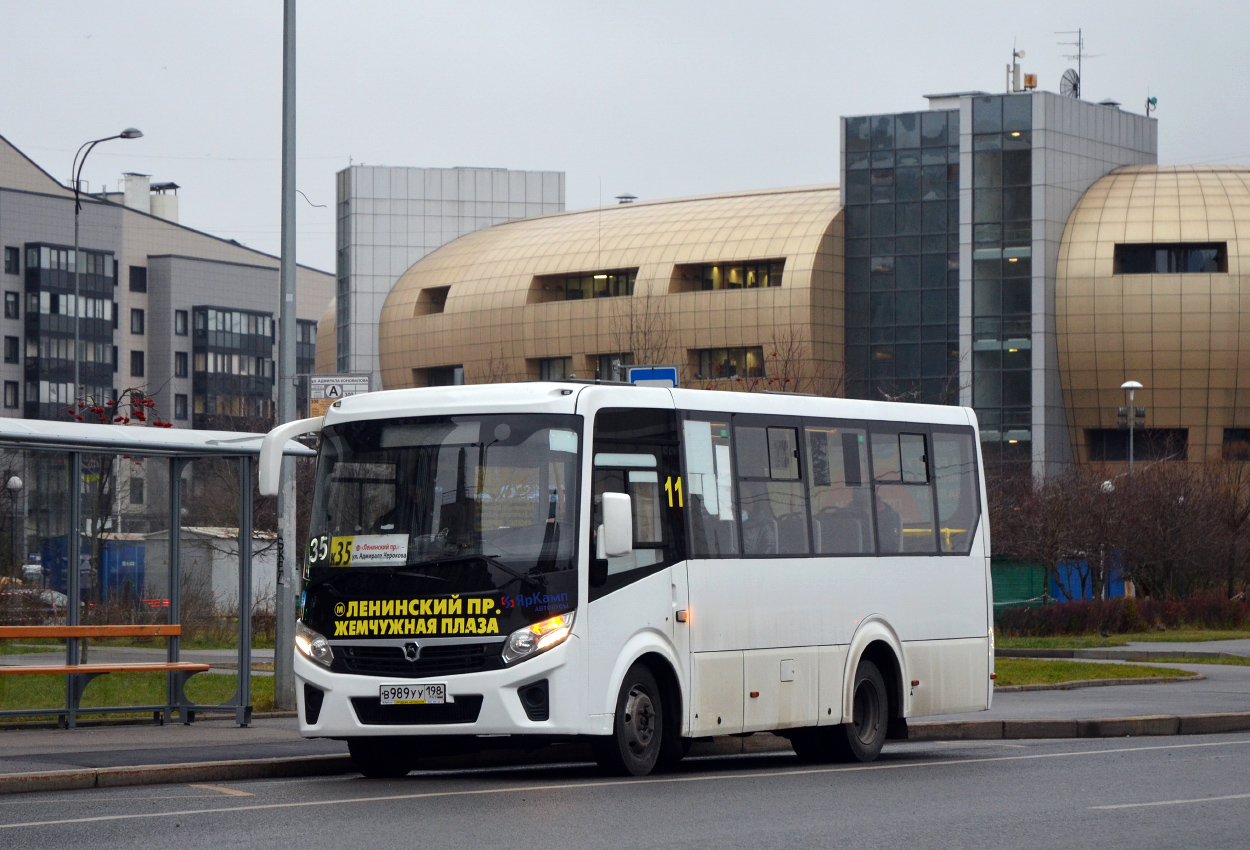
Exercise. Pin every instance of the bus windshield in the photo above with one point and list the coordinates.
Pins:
(494, 493)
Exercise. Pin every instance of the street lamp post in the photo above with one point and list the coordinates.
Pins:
(1132, 387)
(80, 159)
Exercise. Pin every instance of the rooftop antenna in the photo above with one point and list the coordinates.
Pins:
(1013, 70)
(1152, 103)
(1079, 44)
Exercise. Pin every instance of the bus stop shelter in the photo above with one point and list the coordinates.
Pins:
(90, 455)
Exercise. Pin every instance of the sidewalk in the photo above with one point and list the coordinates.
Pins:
(213, 750)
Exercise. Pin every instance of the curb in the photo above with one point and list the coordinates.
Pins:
(336, 765)
(1097, 683)
(1103, 727)
(1114, 654)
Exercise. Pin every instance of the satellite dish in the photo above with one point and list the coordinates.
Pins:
(1070, 84)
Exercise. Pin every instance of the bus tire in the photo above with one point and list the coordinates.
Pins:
(379, 758)
(864, 736)
(637, 736)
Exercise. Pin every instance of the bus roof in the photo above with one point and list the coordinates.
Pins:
(563, 397)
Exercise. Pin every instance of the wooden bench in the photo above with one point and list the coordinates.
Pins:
(80, 675)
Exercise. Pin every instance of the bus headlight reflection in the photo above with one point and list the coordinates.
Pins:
(536, 638)
(313, 644)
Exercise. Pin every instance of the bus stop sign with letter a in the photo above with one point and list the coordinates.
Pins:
(325, 390)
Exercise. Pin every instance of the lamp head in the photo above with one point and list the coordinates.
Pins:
(1130, 385)
(131, 133)
(14, 484)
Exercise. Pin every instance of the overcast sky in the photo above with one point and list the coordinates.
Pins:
(659, 99)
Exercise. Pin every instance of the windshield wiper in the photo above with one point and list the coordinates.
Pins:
(537, 581)
(417, 574)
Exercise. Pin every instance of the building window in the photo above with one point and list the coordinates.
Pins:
(759, 274)
(1111, 444)
(12, 305)
(136, 322)
(180, 322)
(718, 363)
(1173, 258)
(180, 364)
(555, 368)
(12, 260)
(432, 299)
(10, 394)
(136, 364)
(578, 287)
(12, 353)
(180, 406)
(1236, 444)
(136, 491)
(138, 279)
(612, 366)
(444, 376)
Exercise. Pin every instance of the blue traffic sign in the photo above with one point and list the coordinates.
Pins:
(652, 376)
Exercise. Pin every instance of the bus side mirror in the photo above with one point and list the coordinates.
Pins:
(618, 525)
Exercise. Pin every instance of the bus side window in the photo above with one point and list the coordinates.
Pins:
(709, 466)
(774, 516)
(904, 497)
(841, 506)
(955, 478)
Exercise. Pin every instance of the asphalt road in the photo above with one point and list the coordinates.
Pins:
(1130, 793)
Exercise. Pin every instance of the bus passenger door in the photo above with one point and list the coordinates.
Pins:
(636, 597)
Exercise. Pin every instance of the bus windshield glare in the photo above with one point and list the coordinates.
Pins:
(476, 501)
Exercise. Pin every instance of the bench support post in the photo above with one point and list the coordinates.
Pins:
(73, 582)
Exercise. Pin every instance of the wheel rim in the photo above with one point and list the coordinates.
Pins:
(866, 713)
(639, 721)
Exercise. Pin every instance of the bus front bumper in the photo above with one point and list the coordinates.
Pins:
(502, 711)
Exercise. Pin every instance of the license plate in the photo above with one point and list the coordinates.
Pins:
(423, 693)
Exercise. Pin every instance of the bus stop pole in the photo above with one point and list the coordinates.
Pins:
(287, 584)
(172, 696)
(243, 713)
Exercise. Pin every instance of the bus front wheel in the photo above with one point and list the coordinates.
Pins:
(863, 737)
(637, 736)
(379, 758)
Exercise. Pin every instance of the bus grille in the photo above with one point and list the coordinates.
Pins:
(437, 660)
(372, 713)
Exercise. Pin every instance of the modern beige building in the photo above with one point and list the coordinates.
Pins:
(739, 290)
(1154, 286)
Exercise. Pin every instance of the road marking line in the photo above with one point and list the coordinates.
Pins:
(231, 792)
(1174, 802)
(619, 783)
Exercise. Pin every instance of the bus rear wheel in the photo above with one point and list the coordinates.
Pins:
(637, 736)
(379, 758)
(863, 737)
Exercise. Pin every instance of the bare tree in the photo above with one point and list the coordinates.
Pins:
(498, 369)
(641, 325)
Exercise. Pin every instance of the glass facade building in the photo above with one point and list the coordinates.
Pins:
(901, 196)
(232, 373)
(953, 219)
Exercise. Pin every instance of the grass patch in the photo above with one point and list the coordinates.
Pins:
(1090, 641)
(1235, 661)
(126, 689)
(1041, 671)
(7, 648)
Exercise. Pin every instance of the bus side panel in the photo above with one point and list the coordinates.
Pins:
(952, 675)
(832, 663)
(781, 688)
(716, 693)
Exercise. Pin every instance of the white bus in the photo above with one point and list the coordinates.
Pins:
(640, 567)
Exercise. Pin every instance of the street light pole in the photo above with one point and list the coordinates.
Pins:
(1132, 387)
(76, 177)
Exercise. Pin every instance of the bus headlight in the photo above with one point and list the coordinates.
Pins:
(537, 638)
(313, 644)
